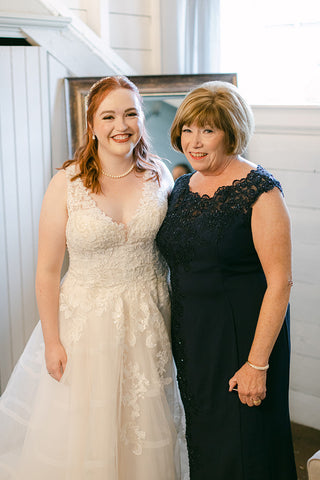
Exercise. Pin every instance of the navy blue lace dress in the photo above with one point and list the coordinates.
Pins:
(217, 289)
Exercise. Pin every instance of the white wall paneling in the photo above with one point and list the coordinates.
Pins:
(23, 6)
(92, 12)
(139, 59)
(59, 142)
(287, 143)
(137, 7)
(25, 172)
(135, 33)
(6, 169)
(66, 37)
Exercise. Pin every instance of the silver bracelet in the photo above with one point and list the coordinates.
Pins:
(256, 367)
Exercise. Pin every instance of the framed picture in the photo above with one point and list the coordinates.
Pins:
(165, 88)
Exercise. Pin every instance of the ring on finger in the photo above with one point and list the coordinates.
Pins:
(257, 402)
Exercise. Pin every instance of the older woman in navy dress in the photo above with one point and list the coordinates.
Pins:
(226, 238)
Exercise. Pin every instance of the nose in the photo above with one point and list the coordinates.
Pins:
(120, 123)
(196, 140)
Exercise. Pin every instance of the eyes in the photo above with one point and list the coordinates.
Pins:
(130, 114)
(206, 130)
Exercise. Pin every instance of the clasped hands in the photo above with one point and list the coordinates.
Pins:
(250, 385)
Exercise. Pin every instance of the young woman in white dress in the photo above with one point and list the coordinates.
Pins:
(92, 395)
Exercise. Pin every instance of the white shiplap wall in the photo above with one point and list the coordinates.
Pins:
(135, 33)
(130, 28)
(287, 143)
(27, 113)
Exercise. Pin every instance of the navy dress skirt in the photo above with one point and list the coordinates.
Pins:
(217, 289)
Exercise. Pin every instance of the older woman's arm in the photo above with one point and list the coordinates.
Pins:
(272, 240)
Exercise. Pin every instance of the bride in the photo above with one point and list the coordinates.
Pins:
(93, 395)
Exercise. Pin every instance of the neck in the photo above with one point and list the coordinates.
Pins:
(121, 175)
(219, 170)
(115, 165)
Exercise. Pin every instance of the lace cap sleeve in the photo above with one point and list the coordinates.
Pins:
(260, 181)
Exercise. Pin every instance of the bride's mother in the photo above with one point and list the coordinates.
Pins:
(226, 238)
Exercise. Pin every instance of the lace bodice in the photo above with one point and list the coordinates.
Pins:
(105, 253)
(192, 218)
(107, 259)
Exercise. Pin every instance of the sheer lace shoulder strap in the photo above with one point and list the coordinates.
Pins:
(259, 181)
(245, 192)
(77, 196)
(70, 171)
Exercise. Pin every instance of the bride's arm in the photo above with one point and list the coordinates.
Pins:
(51, 250)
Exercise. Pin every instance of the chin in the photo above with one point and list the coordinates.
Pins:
(198, 167)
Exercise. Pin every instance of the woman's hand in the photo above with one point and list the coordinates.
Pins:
(250, 384)
(56, 360)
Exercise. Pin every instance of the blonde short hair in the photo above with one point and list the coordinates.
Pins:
(216, 104)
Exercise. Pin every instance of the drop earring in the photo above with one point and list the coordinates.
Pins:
(93, 136)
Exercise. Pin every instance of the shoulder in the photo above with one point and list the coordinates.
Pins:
(251, 174)
(181, 187)
(269, 194)
(263, 180)
(54, 205)
(59, 180)
(71, 169)
(182, 181)
(254, 182)
(57, 188)
(257, 183)
(166, 179)
(270, 214)
(270, 199)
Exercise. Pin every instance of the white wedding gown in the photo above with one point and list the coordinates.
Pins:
(115, 414)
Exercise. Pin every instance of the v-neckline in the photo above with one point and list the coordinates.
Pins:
(104, 215)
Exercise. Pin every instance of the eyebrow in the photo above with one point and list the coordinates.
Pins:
(113, 111)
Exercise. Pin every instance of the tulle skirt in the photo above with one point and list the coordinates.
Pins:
(116, 413)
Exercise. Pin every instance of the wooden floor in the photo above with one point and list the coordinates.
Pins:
(306, 442)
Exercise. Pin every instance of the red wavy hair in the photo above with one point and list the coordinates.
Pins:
(86, 156)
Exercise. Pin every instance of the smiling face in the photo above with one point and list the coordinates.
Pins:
(204, 147)
(118, 124)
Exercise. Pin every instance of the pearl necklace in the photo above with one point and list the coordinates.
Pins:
(118, 176)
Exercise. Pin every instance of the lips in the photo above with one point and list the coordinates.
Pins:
(121, 138)
(197, 155)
